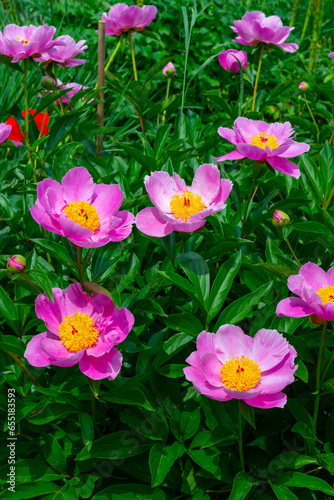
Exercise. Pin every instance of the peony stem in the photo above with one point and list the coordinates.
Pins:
(25, 71)
(293, 253)
(246, 210)
(79, 266)
(167, 94)
(241, 452)
(60, 99)
(113, 55)
(31, 283)
(312, 116)
(317, 373)
(328, 202)
(133, 58)
(257, 78)
(21, 365)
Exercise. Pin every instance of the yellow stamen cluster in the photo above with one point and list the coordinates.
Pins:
(240, 374)
(24, 41)
(78, 332)
(185, 204)
(327, 294)
(83, 213)
(263, 139)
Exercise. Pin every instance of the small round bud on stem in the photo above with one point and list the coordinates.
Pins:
(169, 70)
(280, 219)
(16, 264)
(303, 87)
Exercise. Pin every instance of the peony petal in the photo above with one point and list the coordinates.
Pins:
(106, 366)
(35, 354)
(228, 134)
(268, 349)
(284, 166)
(231, 342)
(149, 221)
(267, 401)
(293, 307)
(206, 182)
(233, 155)
(210, 366)
(77, 185)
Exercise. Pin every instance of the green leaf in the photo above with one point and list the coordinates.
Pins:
(130, 492)
(129, 392)
(180, 282)
(29, 490)
(8, 61)
(53, 453)
(30, 470)
(224, 245)
(61, 129)
(328, 386)
(208, 459)
(116, 446)
(161, 460)
(240, 308)
(301, 371)
(190, 420)
(9, 311)
(56, 250)
(300, 480)
(283, 493)
(222, 284)
(242, 485)
(171, 347)
(184, 322)
(248, 413)
(87, 429)
(198, 272)
(12, 344)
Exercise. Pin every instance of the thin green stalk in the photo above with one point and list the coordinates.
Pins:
(241, 452)
(133, 58)
(312, 116)
(79, 266)
(31, 283)
(330, 197)
(167, 94)
(111, 58)
(60, 99)
(294, 13)
(257, 77)
(317, 373)
(25, 72)
(315, 32)
(308, 13)
(21, 365)
(293, 253)
(246, 210)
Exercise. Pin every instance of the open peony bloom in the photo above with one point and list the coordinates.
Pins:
(86, 213)
(315, 290)
(169, 70)
(122, 17)
(264, 142)
(21, 42)
(227, 59)
(16, 134)
(231, 365)
(255, 27)
(80, 329)
(5, 130)
(178, 207)
(65, 52)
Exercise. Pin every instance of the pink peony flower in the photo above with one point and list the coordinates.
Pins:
(26, 41)
(255, 27)
(122, 17)
(264, 142)
(169, 70)
(331, 54)
(231, 365)
(86, 213)
(178, 207)
(315, 290)
(227, 59)
(80, 329)
(5, 131)
(66, 51)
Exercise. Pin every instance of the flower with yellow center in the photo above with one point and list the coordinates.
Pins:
(263, 139)
(24, 41)
(327, 294)
(78, 332)
(83, 213)
(240, 374)
(185, 204)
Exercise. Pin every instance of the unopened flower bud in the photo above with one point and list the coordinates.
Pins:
(16, 264)
(48, 82)
(169, 70)
(280, 219)
(303, 87)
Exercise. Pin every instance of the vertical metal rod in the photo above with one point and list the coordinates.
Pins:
(100, 82)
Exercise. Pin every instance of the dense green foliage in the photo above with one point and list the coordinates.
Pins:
(150, 434)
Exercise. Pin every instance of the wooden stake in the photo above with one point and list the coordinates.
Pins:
(100, 83)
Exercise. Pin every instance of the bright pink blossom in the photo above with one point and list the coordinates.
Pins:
(231, 365)
(169, 70)
(86, 213)
(66, 51)
(21, 42)
(80, 329)
(178, 207)
(315, 290)
(5, 131)
(227, 59)
(122, 17)
(255, 27)
(264, 142)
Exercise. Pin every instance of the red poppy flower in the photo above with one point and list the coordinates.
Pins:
(16, 133)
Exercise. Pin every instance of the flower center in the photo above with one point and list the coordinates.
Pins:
(240, 374)
(83, 213)
(262, 139)
(24, 41)
(78, 332)
(185, 204)
(327, 294)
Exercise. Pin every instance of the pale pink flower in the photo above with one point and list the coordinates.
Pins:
(122, 18)
(227, 59)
